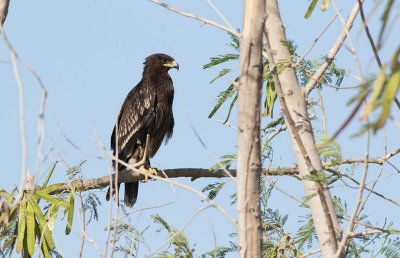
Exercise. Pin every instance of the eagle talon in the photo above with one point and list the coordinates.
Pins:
(152, 171)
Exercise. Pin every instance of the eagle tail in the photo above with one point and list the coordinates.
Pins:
(109, 193)
(131, 193)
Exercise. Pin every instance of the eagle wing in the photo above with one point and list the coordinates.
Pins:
(135, 118)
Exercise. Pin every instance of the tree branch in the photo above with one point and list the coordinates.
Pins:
(196, 17)
(335, 49)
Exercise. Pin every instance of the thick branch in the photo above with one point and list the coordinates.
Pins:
(295, 113)
(127, 176)
(249, 139)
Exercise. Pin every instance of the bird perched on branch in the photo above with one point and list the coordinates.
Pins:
(144, 121)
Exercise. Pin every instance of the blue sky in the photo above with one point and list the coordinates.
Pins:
(89, 54)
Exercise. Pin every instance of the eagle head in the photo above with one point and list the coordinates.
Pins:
(160, 62)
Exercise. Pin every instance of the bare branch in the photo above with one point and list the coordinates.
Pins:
(315, 40)
(334, 50)
(359, 202)
(215, 8)
(196, 17)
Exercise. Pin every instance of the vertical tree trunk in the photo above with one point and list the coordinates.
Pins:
(294, 106)
(249, 147)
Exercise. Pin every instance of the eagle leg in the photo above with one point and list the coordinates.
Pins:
(146, 171)
(141, 164)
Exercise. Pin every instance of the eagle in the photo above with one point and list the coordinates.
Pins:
(145, 120)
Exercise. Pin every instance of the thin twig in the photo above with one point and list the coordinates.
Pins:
(179, 231)
(196, 17)
(352, 48)
(359, 202)
(24, 171)
(323, 112)
(334, 50)
(311, 253)
(220, 14)
(42, 105)
(83, 224)
(316, 40)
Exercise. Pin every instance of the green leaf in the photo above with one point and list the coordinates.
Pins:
(60, 202)
(42, 224)
(21, 226)
(221, 59)
(222, 73)
(213, 189)
(325, 4)
(49, 174)
(71, 201)
(51, 215)
(376, 94)
(310, 9)
(45, 249)
(222, 97)
(51, 188)
(329, 149)
(30, 229)
(231, 107)
(389, 95)
(270, 98)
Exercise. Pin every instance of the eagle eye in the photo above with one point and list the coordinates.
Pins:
(164, 60)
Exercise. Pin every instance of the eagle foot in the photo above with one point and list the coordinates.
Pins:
(152, 171)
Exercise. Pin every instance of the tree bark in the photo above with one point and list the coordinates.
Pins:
(3, 11)
(249, 147)
(295, 112)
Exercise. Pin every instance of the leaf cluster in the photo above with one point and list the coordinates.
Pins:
(178, 240)
(33, 227)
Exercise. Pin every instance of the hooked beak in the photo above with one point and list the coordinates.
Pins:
(173, 64)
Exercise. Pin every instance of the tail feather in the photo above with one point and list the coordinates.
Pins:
(109, 193)
(131, 193)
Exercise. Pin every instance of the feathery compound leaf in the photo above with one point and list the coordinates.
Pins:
(21, 226)
(230, 108)
(222, 97)
(305, 234)
(30, 229)
(223, 72)
(45, 231)
(213, 189)
(392, 250)
(329, 149)
(158, 219)
(389, 95)
(71, 201)
(220, 59)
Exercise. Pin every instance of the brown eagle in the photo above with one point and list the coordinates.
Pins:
(146, 114)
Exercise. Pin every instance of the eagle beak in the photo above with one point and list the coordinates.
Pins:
(173, 64)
